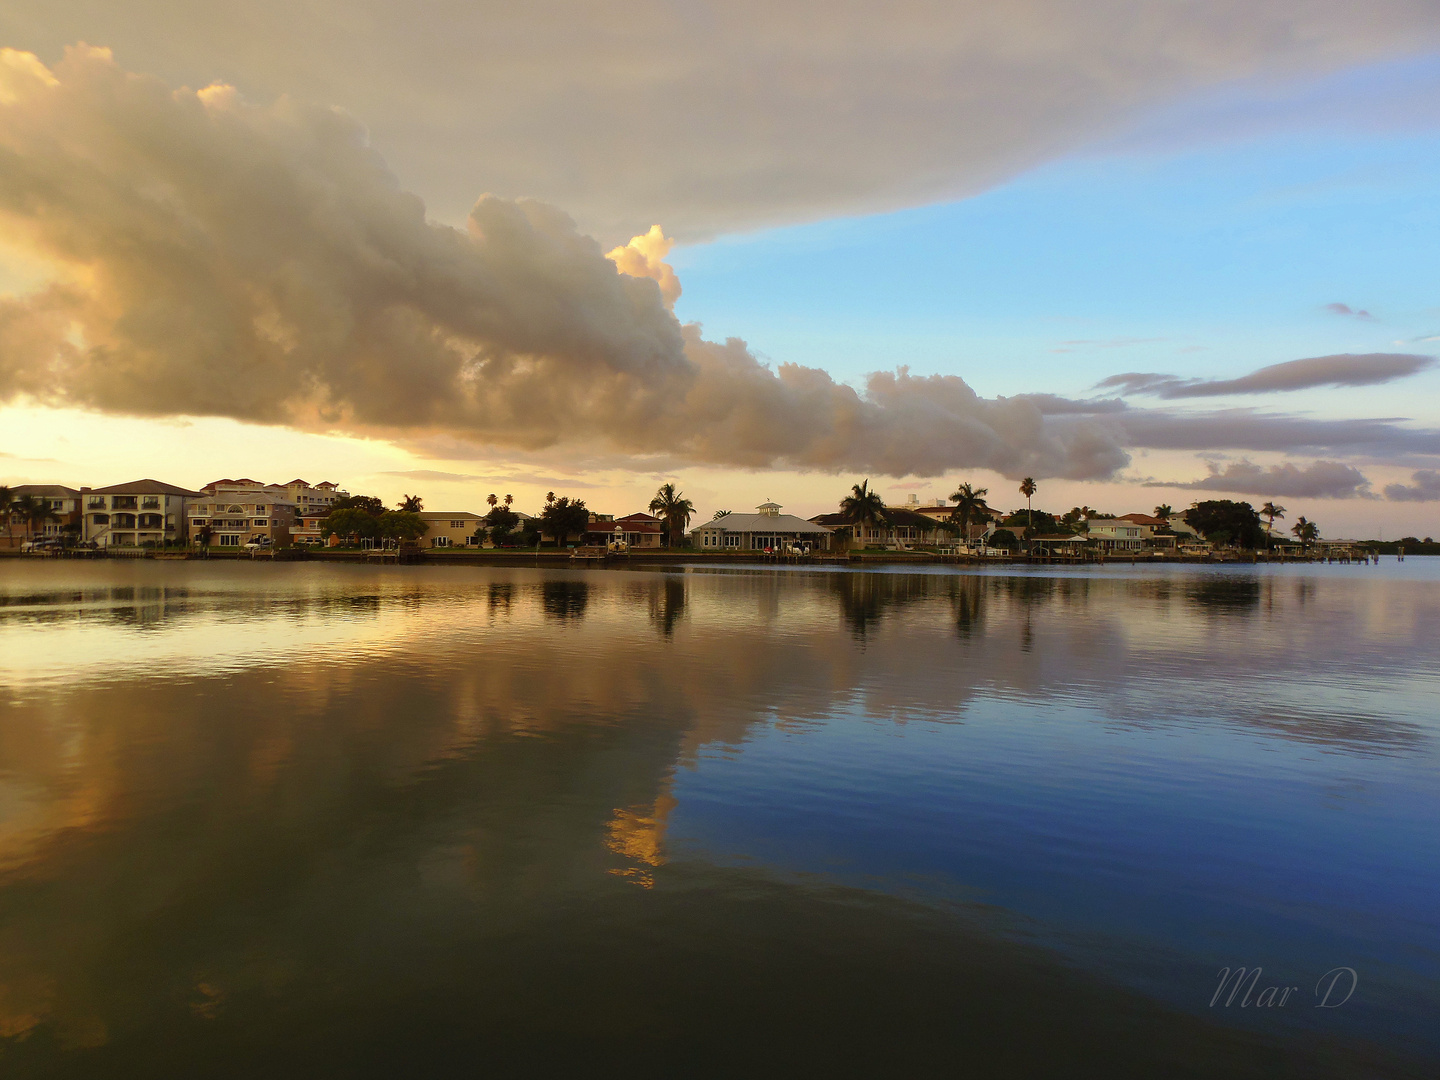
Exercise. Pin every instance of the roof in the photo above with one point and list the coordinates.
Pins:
(907, 518)
(438, 514)
(640, 517)
(1142, 519)
(762, 523)
(624, 525)
(45, 491)
(145, 487)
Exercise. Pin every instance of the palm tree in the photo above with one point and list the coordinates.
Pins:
(549, 497)
(1305, 531)
(492, 500)
(1165, 512)
(720, 514)
(7, 500)
(1270, 512)
(411, 504)
(1028, 487)
(672, 506)
(863, 506)
(508, 500)
(33, 510)
(969, 502)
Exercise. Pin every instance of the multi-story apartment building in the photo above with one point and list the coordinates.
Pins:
(312, 504)
(63, 504)
(141, 513)
(230, 513)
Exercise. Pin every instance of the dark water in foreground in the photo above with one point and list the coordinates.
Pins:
(305, 820)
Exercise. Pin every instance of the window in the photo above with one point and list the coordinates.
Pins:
(440, 541)
(457, 524)
(123, 502)
(96, 503)
(150, 502)
(228, 541)
(101, 519)
(260, 523)
(197, 523)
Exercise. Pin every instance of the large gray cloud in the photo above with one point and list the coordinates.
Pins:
(1341, 369)
(223, 259)
(711, 117)
(1318, 480)
(1425, 487)
(263, 264)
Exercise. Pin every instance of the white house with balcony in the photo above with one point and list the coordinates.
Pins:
(141, 513)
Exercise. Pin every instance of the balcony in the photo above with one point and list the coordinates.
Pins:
(151, 502)
(123, 502)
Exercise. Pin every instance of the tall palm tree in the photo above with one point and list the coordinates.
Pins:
(33, 510)
(1270, 512)
(549, 497)
(411, 504)
(492, 500)
(1028, 487)
(1305, 531)
(508, 500)
(969, 502)
(672, 506)
(863, 506)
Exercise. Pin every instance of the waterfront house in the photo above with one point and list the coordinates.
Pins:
(141, 513)
(237, 511)
(905, 529)
(765, 530)
(451, 528)
(637, 530)
(312, 505)
(62, 502)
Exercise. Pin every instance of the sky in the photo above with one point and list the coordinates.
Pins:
(1143, 255)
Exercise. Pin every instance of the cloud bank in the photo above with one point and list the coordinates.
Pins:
(1318, 480)
(263, 264)
(1424, 488)
(1341, 369)
(723, 117)
(219, 258)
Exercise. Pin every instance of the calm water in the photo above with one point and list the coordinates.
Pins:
(331, 821)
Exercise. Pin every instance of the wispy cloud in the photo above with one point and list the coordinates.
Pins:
(1349, 312)
(1341, 369)
(1318, 480)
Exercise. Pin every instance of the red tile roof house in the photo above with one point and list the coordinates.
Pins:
(639, 530)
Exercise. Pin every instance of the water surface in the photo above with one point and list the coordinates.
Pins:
(308, 819)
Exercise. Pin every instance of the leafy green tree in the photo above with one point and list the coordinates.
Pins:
(864, 507)
(969, 504)
(530, 532)
(368, 503)
(350, 523)
(562, 517)
(402, 525)
(501, 521)
(675, 510)
(1223, 522)
(1004, 539)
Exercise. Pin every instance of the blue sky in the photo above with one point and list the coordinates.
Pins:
(1208, 261)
